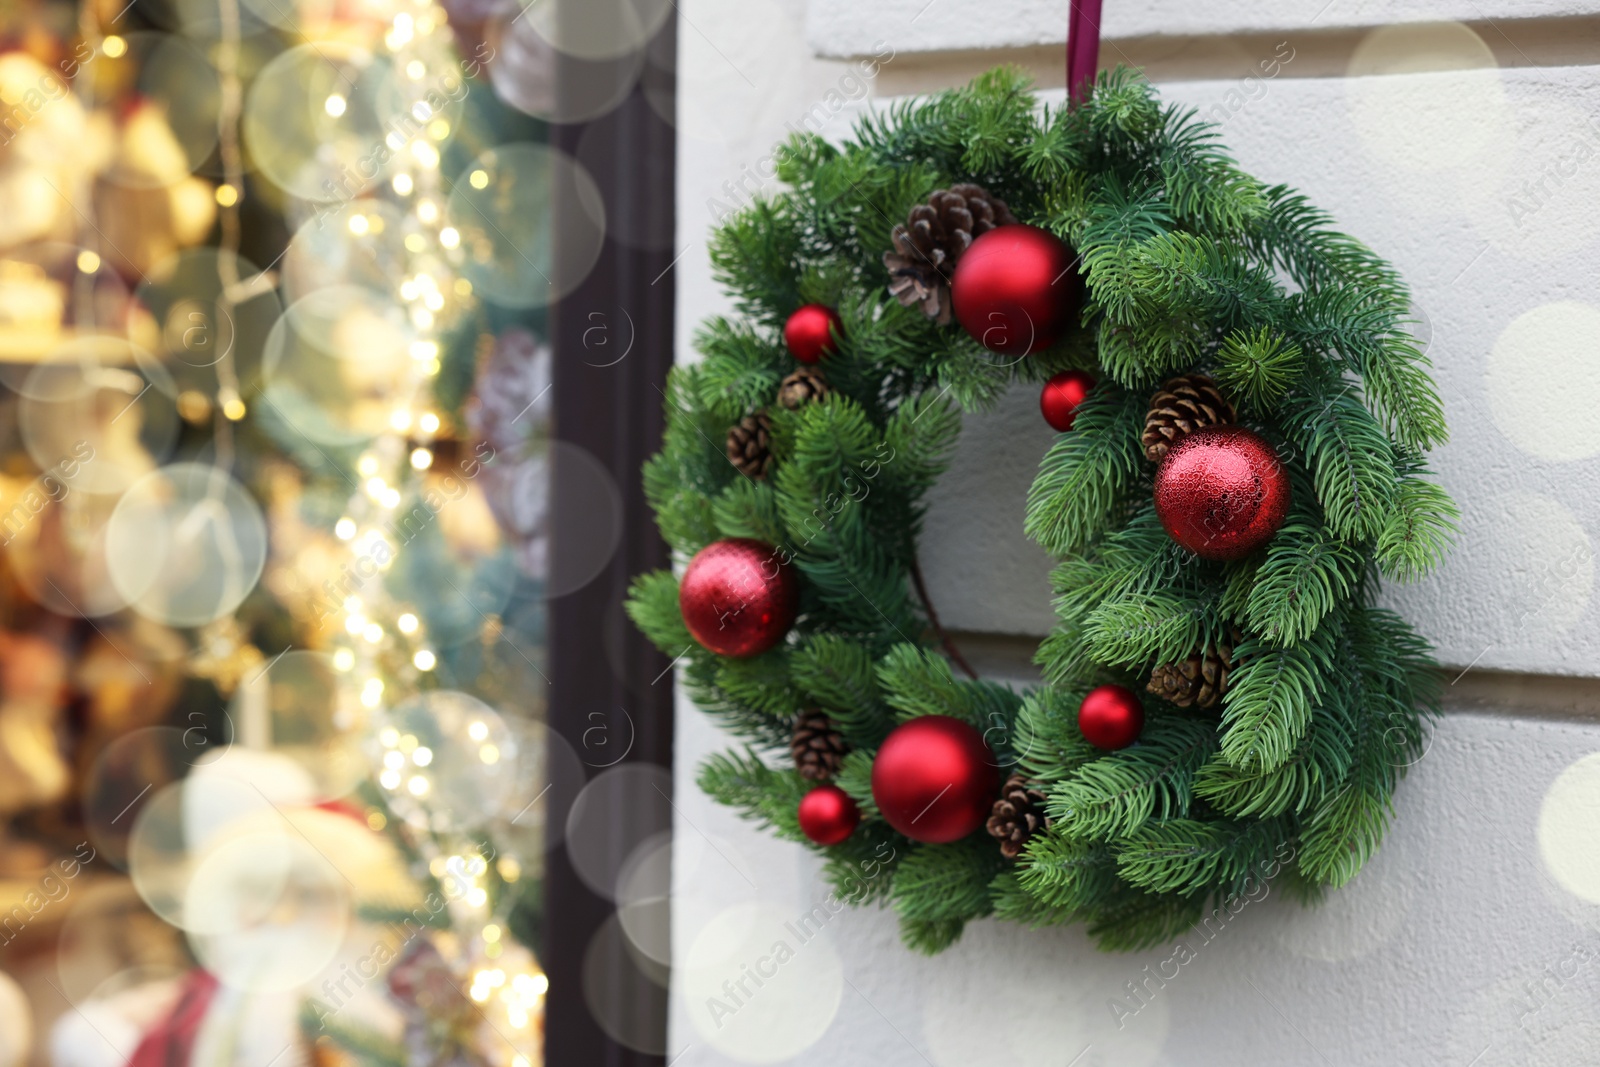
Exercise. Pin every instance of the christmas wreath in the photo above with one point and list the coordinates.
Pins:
(1243, 420)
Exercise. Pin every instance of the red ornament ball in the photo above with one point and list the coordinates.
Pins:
(1061, 396)
(828, 815)
(1111, 717)
(810, 331)
(934, 779)
(1015, 290)
(1222, 492)
(739, 597)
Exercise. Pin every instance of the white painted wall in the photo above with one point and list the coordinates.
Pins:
(1492, 873)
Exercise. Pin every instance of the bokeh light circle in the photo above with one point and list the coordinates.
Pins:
(523, 73)
(508, 205)
(186, 544)
(617, 812)
(315, 121)
(1541, 384)
(450, 755)
(623, 992)
(801, 984)
(98, 414)
(333, 364)
(1569, 829)
(299, 697)
(597, 29)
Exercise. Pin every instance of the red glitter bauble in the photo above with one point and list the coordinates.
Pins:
(828, 815)
(809, 333)
(738, 597)
(1015, 290)
(934, 779)
(1222, 492)
(1061, 396)
(1111, 717)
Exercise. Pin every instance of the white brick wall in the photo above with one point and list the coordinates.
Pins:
(1492, 874)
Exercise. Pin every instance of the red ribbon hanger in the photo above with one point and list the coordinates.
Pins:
(1083, 48)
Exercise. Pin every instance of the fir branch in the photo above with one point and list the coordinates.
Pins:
(1271, 698)
(1306, 574)
(1066, 873)
(1116, 794)
(769, 797)
(839, 675)
(946, 882)
(1191, 857)
(1087, 472)
(1258, 367)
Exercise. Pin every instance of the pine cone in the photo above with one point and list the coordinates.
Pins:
(750, 445)
(1181, 407)
(805, 385)
(1016, 816)
(817, 747)
(935, 234)
(1200, 680)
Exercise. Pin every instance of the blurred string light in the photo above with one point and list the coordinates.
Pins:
(376, 632)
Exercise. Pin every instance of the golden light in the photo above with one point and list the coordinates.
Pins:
(463, 287)
(376, 821)
(428, 211)
(424, 660)
(372, 632)
(450, 237)
(367, 465)
(415, 242)
(114, 47)
(393, 760)
(359, 225)
(388, 737)
(434, 301)
(491, 932)
(479, 179)
(422, 756)
(390, 498)
(415, 70)
(489, 754)
(227, 195)
(354, 625)
(389, 779)
(402, 184)
(421, 459)
(233, 409)
(425, 154)
(335, 105)
(429, 422)
(424, 350)
(375, 487)
(88, 262)
(400, 421)
(478, 730)
(417, 786)
(407, 623)
(344, 659)
(345, 528)
(438, 129)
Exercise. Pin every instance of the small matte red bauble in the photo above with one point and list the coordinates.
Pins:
(1222, 492)
(1015, 289)
(828, 815)
(1061, 396)
(810, 330)
(738, 597)
(934, 779)
(1111, 717)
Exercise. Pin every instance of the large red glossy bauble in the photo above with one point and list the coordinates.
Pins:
(934, 779)
(1062, 394)
(809, 332)
(1222, 492)
(738, 597)
(1015, 289)
(1111, 717)
(828, 815)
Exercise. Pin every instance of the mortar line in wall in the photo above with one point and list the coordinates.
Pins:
(1517, 695)
(1562, 41)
